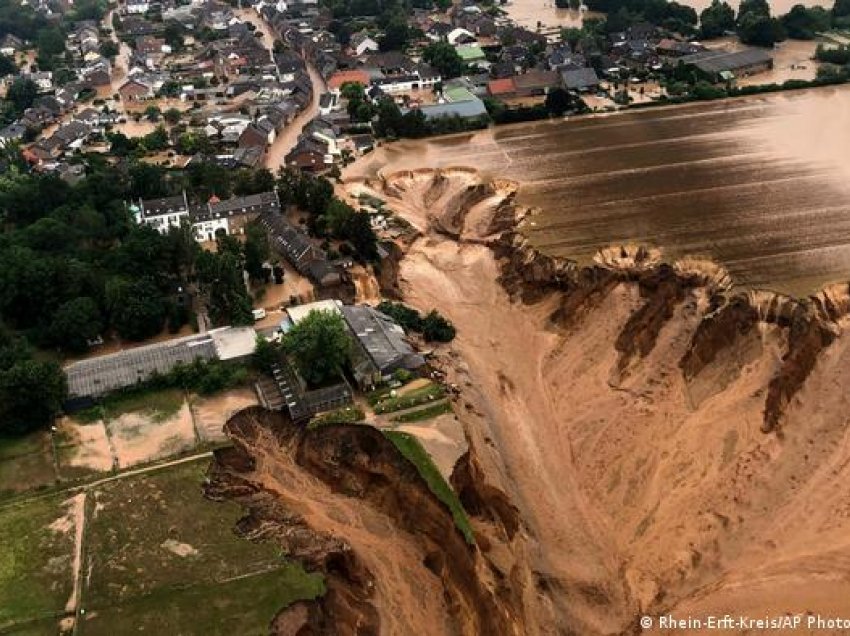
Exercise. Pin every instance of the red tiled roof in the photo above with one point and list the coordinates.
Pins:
(502, 86)
(342, 77)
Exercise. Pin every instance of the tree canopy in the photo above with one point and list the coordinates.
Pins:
(319, 346)
(717, 19)
(443, 57)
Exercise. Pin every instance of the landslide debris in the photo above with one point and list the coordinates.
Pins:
(343, 501)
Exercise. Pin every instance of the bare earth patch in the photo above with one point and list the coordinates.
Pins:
(83, 446)
(138, 437)
(212, 412)
(178, 548)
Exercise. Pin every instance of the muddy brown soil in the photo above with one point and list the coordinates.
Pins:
(643, 439)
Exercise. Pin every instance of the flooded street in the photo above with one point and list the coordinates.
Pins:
(760, 184)
(288, 137)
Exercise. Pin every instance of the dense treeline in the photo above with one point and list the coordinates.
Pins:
(74, 264)
(433, 326)
(624, 13)
(328, 216)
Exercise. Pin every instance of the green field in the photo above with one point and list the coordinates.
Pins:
(243, 606)
(422, 395)
(425, 413)
(163, 556)
(36, 577)
(26, 463)
(163, 403)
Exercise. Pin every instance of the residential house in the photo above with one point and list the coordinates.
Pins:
(460, 36)
(535, 83)
(134, 90)
(670, 48)
(380, 346)
(137, 7)
(10, 44)
(362, 43)
(230, 216)
(309, 155)
(470, 110)
(471, 53)
(12, 133)
(579, 80)
(163, 213)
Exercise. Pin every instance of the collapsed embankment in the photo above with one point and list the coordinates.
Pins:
(659, 430)
(644, 439)
(343, 501)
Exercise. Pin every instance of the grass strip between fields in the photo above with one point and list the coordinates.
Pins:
(413, 451)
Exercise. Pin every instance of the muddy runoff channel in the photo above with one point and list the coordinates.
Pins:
(645, 438)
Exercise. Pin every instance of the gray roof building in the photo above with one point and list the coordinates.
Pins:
(95, 377)
(580, 79)
(716, 62)
(469, 109)
(382, 347)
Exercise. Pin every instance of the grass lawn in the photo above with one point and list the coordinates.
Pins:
(36, 576)
(422, 395)
(162, 553)
(410, 447)
(162, 403)
(241, 606)
(26, 463)
(345, 415)
(425, 413)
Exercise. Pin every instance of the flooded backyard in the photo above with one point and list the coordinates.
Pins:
(760, 184)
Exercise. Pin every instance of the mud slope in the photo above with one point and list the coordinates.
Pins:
(343, 501)
(671, 444)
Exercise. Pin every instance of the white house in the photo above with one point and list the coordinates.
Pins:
(137, 7)
(460, 36)
(362, 43)
(161, 214)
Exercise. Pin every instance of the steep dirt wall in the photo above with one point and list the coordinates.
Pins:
(342, 500)
(669, 442)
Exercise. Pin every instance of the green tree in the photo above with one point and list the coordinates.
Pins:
(7, 66)
(51, 42)
(152, 113)
(109, 49)
(138, 309)
(802, 23)
(841, 8)
(22, 93)
(716, 19)
(436, 328)
(319, 346)
(255, 251)
(758, 7)
(31, 394)
(221, 282)
(558, 101)
(443, 57)
(75, 323)
(760, 30)
(172, 116)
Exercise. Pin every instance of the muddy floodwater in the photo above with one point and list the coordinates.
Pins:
(759, 184)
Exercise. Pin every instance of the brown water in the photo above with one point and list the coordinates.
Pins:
(760, 184)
